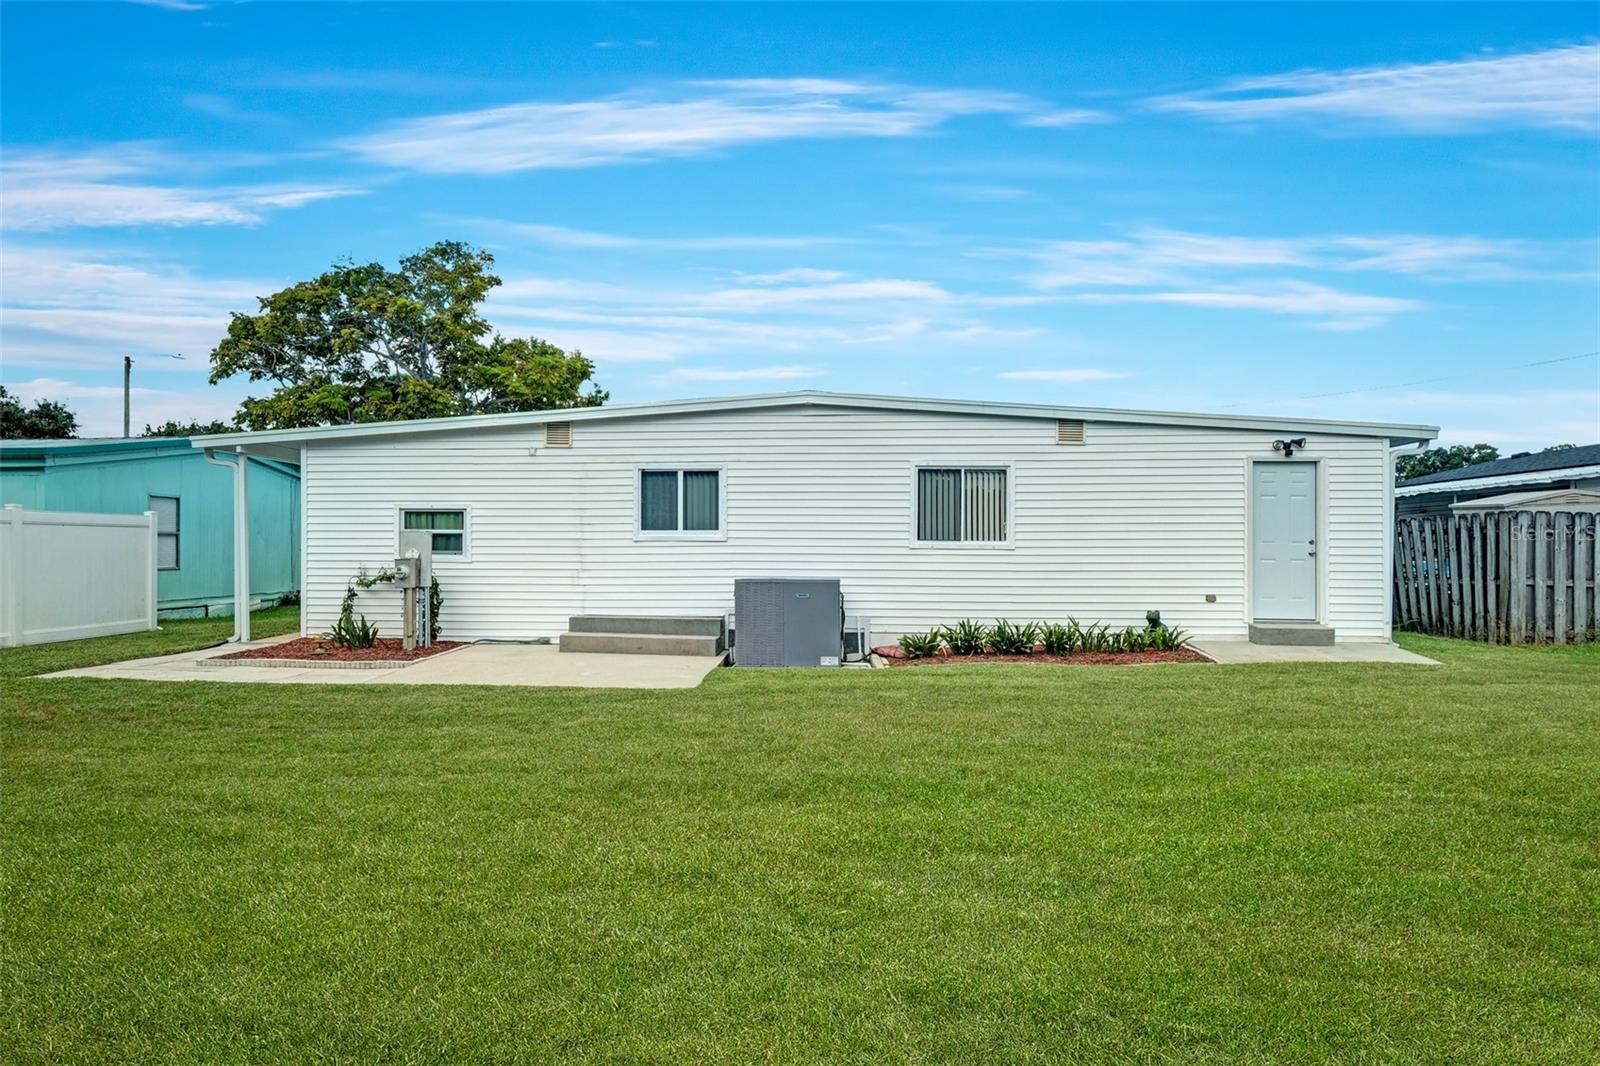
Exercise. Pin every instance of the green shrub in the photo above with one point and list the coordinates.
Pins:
(1166, 638)
(921, 645)
(966, 637)
(1059, 639)
(1008, 638)
(350, 631)
(1095, 638)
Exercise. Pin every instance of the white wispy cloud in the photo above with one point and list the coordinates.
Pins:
(117, 185)
(693, 119)
(1558, 89)
(86, 307)
(1152, 256)
(1065, 376)
(1335, 309)
(753, 373)
(567, 237)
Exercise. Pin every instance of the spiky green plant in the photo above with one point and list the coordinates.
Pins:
(966, 637)
(921, 645)
(1058, 639)
(1010, 638)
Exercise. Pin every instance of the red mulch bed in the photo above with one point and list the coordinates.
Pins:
(896, 657)
(321, 649)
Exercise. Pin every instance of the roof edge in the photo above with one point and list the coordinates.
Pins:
(1396, 432)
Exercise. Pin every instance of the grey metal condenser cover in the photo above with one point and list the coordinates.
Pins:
(787, 622)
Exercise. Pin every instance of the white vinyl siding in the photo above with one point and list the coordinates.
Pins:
(169, 514)
(1145, 518)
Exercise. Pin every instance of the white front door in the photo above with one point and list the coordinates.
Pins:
(1283, 541)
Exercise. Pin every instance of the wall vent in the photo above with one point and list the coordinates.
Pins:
(558, 434)
(1069, 431)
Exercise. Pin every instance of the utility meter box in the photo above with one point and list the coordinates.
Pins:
(787, 622)
(416, 553)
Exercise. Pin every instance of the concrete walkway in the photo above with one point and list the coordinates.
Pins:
(1242, 651)
(538, 665)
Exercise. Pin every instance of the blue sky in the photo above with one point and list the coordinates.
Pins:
(1363, 211)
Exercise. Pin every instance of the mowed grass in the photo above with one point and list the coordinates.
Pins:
(185, 634)
(1160, 864)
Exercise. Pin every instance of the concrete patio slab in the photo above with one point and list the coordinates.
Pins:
(536, 665)
(1242, 651)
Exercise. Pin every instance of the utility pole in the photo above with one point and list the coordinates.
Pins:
(127, 389)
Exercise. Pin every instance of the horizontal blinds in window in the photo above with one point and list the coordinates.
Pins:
(938, 505)
(984, 500)
(700, 510)
(166, 551)
(166, 509)
(658, 500)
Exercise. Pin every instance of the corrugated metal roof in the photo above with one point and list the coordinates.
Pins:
(1586, 455)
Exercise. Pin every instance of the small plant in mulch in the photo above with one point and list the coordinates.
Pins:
(350, 631)
(966, 637)
(1009, 638)
(921, 645)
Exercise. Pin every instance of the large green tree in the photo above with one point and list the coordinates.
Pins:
(1436, 459)
(45, 420)
(363, 343)
(192, 428)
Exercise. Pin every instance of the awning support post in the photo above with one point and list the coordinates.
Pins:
(241, 542)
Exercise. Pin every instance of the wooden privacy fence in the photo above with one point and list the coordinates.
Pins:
(1505, 576)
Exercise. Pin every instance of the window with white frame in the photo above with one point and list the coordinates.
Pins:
(961, 504)
(167, 531)
(449, 529)
(680, 501)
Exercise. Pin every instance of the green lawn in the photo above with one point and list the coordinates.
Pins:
(183, 635)
(1159, 864)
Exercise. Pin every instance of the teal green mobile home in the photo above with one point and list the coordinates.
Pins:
(193, 501)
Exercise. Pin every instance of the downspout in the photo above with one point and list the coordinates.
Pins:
(1395, 455)
(241, 541)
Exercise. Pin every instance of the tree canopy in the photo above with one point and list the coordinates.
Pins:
(45, 420)
(362, 343)
(1436, 459)
(173, 428)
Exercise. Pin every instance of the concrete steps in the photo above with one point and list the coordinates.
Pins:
(1299, 634)
(638, 635)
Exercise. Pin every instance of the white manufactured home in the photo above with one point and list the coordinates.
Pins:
(927, 511)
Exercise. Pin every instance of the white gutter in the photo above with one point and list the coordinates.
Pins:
(1395, 455)
(1503, 481)
(241, 541)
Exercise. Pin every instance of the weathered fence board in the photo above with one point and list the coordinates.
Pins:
(1509, 577)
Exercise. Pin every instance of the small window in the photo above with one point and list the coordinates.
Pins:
(558, 434)
(961, 505)
(167, 530)
(680, 501)
(449, 529)
(1069, 431)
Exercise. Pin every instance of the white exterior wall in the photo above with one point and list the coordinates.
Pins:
(1141, 517)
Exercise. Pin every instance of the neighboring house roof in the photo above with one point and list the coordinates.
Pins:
(1556, 463)
(1537, 500)
(284, 438)
(35, 454)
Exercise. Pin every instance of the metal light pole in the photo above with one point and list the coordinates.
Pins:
(127, 390)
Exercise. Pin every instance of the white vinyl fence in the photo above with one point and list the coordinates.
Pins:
(65, 575)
